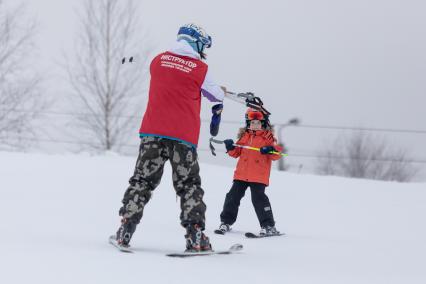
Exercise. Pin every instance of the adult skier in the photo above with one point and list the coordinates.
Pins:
(170, 131)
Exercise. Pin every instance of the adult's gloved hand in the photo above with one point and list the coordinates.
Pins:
(267, 150)
(217, 109)
(223, 89)
(215, 122)
(229, 145)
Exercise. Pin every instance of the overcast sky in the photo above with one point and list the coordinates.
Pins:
(332, 62)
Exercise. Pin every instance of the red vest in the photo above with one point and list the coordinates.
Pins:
(174, 103)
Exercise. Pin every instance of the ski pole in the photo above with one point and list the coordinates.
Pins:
(249, 100)
(241, 146)
(258, 149)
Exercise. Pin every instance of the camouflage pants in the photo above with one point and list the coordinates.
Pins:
(153, 154)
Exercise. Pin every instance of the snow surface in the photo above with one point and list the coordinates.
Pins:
(58, 211)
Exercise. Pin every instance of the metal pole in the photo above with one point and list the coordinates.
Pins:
(281, 165)
(293, 121)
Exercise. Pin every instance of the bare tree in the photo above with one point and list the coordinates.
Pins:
(364, 156)
(20, 97)
(107, 90)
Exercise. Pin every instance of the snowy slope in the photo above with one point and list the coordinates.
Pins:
(57, 212)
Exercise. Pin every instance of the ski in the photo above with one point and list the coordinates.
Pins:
(219, 232)
(254, 236)
(113, 241)
(234, 248)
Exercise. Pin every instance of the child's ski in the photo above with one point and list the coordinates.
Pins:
(219, 232)
(113, 241)
(234, 248)
(254, 236)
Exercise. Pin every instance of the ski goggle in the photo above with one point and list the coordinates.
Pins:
(207, 41)
(255, 115)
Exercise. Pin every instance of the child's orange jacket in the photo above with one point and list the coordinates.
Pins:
(252, 165)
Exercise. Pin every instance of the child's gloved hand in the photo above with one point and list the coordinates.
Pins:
(229, 145)
(267, 150)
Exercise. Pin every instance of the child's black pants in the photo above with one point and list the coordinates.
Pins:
(260, 201)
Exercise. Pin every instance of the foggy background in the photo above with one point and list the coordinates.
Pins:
(335, 65)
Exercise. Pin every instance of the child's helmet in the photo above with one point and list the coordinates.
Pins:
(196, 36)
(253, 114)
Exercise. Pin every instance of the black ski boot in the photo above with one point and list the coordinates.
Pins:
(125, 232)
(269, 231)
(196, 240)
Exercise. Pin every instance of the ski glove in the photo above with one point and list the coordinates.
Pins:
(215, 122)
(229, 145)
(267, 150)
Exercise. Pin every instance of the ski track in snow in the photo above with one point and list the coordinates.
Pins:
(57, 212)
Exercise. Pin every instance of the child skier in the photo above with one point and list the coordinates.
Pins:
(253, 170)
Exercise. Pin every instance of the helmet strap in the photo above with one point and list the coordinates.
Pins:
(200, 49)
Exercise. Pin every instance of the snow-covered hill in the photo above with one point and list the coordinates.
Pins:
(56, 214)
